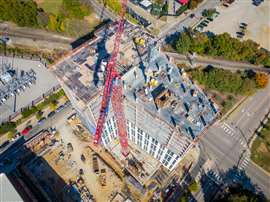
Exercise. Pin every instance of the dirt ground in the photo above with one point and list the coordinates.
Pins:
(257, 18)
(68, 168)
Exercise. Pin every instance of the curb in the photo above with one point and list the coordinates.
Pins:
(260, 168)
(234, 108)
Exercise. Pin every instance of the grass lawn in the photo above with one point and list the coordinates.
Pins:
(260, 150)
(50, 6)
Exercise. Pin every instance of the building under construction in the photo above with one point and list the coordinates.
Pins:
(164, 109)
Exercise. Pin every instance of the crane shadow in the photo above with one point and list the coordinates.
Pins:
(102, 55)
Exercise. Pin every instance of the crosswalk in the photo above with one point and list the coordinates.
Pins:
(232, 132)
(244, 163)
(214, 176)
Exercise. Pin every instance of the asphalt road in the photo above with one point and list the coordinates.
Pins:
(219, 63)
(226, 142)
(178, 25)
(36, 34)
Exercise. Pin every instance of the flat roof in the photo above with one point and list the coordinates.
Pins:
(146, 3)
(8, 193)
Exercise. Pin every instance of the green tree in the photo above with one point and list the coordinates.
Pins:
(115, 5)
(184, 43)
(7, 127)
(74, 9)
(222, 45)
(23, 13)
(239, 194)
(164, 10)
(156, 9)
(193, 187)
(208, 13)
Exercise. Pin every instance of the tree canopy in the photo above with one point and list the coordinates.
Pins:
(240, 194)
(23, 13)
(222, 45)
(225, 80)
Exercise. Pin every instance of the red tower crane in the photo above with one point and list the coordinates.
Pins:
(113, 91)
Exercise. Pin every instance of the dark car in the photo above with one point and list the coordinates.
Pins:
(83, 158)
(41, 121)
(4, 144)
(67, 103)
(192, 15)
(244, 24)
(51, 114)
(60, 108)
(81, 171)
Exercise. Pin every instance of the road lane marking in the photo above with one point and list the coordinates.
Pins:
(227, 125)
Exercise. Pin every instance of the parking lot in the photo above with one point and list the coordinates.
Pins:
(257, 19)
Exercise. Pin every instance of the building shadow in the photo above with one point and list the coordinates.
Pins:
(35, 179)
(172, 38)
(179, 191)
(81, 40)
(219, 187)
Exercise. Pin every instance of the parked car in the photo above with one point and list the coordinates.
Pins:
(4, 144)
(81, 171)
(243, 24)
(60, 108)
(67, 103)
(27, 130)
(41, 121)
(51, 114)
(192, 15)
(83, 158)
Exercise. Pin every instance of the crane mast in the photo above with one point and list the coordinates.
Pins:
(113, 91)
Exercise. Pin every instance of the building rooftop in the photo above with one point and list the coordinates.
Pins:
(166, 90)
(146, 3)
(156, 92)
(7, 190)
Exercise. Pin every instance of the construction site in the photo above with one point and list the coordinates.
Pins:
(165, 111)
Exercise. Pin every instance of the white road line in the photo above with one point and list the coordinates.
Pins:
(226, 130)
(222, 126)
(244, 163)
(230, 127)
